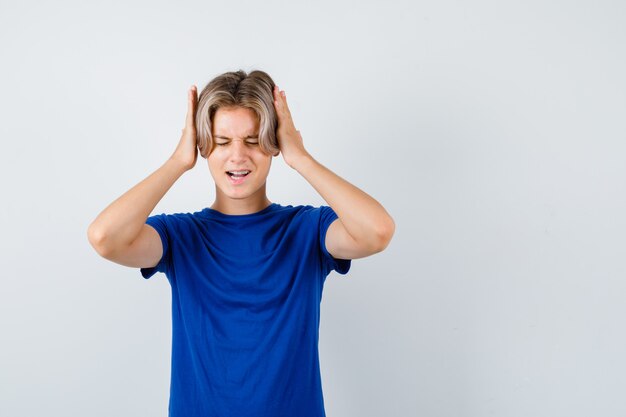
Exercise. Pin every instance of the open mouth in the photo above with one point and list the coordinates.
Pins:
(237, 177)
(237, 174)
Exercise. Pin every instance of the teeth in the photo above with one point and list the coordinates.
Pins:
(239, 172)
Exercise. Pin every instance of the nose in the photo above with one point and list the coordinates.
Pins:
(238, 151)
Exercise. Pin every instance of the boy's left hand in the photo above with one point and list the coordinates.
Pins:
(289, 139)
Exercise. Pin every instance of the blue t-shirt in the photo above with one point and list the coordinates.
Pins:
(246, 293)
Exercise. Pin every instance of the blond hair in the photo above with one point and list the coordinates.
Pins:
(238, 89)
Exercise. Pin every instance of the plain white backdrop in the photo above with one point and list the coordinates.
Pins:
(493, 132)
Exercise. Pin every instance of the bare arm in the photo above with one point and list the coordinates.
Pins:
(119, 232)
(363, 226)
(121, 222)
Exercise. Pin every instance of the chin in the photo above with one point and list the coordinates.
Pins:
(239, 193)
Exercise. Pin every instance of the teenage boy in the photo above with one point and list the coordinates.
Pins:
(246, 274)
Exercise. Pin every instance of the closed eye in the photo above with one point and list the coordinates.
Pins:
(247, 142)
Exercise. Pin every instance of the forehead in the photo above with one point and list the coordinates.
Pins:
(235, 122)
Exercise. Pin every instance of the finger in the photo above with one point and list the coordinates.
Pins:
(283, 97)
(281, 103)
(278, 103)
(191, 99)
(277, 100)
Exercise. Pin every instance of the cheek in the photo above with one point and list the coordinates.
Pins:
(264, 163)
(214, 164)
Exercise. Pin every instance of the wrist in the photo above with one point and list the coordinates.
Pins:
(177, 165)
(302, 162)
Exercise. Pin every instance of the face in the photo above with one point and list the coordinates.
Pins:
(236, 137)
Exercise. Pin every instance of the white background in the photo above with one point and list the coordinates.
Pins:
(493, 132)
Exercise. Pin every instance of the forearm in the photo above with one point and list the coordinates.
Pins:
(364, 218)
(121, 222)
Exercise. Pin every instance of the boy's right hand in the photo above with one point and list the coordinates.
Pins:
(186, 152)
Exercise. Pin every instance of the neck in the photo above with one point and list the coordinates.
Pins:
(239, 206)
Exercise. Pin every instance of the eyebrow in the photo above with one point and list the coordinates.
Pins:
(250, 136)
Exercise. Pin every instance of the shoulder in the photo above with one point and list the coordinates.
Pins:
(173, 221)
(313, 213)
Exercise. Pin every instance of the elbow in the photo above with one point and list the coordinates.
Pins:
(384, 234)
(97, 240)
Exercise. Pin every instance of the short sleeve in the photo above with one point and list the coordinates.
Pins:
(159, 223)
(342, 266)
